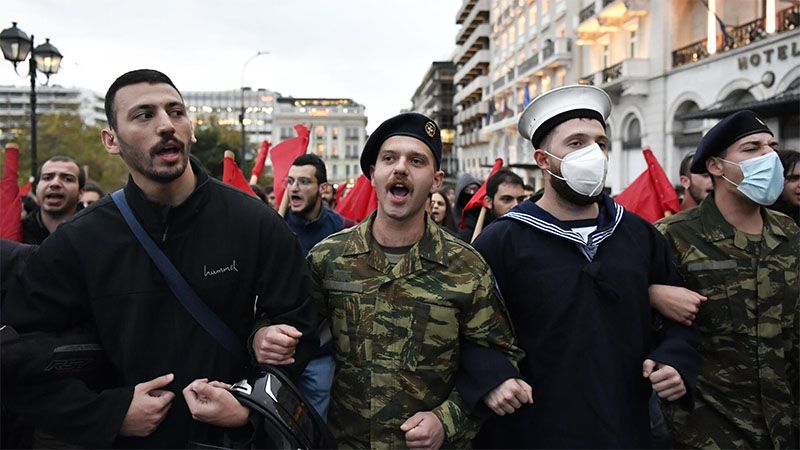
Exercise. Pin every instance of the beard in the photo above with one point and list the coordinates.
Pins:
(567, 194)
(311, 202)
(142, 161)
(697, 194)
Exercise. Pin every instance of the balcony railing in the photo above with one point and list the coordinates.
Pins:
(787, 19)
(529, 63)
(548, 49)
(612, 73)
(587, 13)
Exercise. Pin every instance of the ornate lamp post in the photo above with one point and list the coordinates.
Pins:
(45, 58)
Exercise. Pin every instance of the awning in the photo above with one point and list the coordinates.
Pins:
(786, 103)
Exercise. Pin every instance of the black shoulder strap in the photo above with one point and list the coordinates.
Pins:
(178, 285)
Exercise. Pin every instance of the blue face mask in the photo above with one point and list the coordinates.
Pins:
(763, 178)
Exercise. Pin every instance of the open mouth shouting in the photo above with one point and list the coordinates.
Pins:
(54, 198)
(296, 201)
(168, 151)
(399, 191)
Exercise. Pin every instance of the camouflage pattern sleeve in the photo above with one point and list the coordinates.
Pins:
(486, 323)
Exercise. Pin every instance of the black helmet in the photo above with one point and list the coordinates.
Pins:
(289, 421)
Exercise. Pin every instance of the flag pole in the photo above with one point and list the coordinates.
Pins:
(284, 203)
(479, 224)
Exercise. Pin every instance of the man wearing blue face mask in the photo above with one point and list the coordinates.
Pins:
(746, 259)
(574, 269)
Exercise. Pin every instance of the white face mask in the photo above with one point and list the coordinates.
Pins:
(584, 170)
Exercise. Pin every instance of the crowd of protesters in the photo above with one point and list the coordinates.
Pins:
(554, 319)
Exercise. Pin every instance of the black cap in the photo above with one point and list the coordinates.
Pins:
(410, 124)
(722, 135)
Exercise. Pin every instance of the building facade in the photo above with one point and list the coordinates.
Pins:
(434, 98)
(338, 131)
(472, 58)
(670, 70)
(224, 108)
(673, 73)
(15, 106)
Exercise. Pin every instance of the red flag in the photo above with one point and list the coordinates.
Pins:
(232, 175)
(339, 191)
(10, 203)
(283, 155)
(26, 188)
(359, 202)
(259, 166)
(651, 195)
(477, 199)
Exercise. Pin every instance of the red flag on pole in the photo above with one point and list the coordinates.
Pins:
(26, 188)
(283, 155)
(259, 165)
(339, 191)
(359, 202)
(651, 195)
(232, 175)
(477, 199)
(10, 203)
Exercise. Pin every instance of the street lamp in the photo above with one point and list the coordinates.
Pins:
(46, 58)
(241, 112)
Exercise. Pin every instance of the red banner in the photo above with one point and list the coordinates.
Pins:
(232, 175)
(284, 154)
(477, 199)
(10, 203)
(359, 202)
(651, 195)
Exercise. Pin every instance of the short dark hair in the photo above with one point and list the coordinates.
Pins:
(528, 187)
(502, 176)
(133, 77)
(60, 158)
(91, 186)
(310, 159)
(789, 159)
(686, 163)
(268, 190)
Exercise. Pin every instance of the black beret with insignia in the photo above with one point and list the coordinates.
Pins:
(410, 124)
(722, 135)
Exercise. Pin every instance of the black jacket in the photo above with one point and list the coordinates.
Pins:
(231, 248)
(582, 314)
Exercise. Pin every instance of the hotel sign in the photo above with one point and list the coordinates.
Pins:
(770, 54)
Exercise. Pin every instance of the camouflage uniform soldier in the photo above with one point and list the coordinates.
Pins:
(400, 294)
(746, 260)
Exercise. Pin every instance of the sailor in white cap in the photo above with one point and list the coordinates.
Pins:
(574, 270)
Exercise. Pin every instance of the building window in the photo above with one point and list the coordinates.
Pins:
(633, 44)
(320, 150)
(347, 171)
(532, 15)
(606, 55)
(335, 171)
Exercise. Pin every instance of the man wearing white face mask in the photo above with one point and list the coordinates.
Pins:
(746, 259)
(574, 269)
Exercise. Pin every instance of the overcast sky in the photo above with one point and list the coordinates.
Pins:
(373, 51)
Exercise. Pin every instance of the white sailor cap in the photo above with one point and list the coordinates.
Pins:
(557, 106)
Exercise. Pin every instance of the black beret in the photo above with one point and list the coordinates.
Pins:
(407, 124)
(722, 135)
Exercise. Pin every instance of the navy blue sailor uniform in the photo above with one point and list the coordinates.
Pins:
(581, 311)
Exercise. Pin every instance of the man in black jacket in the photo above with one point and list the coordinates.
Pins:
(233, 250)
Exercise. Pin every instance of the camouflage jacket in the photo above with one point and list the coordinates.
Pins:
(396, 332)
(747, 391)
